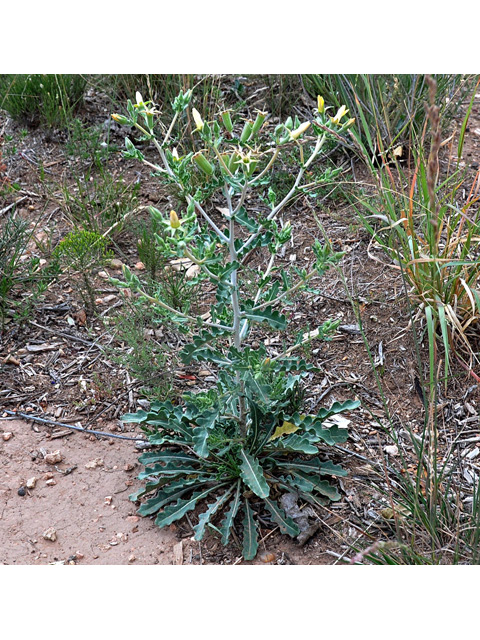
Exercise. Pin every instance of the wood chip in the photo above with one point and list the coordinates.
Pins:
(178, 553)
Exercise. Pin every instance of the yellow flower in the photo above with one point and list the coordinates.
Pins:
(339, 115)
(298, 132)
(198, 119)
(174, 221)
(320, 104)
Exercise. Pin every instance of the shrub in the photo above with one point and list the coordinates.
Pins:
(80, 252)
(42, 99)
(247, 442)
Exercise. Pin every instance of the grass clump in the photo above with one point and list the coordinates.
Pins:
(42, 99)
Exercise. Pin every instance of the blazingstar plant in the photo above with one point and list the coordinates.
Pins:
(242, 444)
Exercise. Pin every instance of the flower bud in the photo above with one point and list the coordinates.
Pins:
(198, 119)
(202, 163)
(139, 99)
(227, 121)
(320, 104)
(120, 119)
(174, 221)
(298, 132)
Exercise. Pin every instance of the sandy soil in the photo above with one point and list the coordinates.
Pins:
(101, 528)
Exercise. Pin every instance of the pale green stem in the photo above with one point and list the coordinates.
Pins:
(270, 163)
(165, 306)
(276, 210)
(285, 293)
(237, 340)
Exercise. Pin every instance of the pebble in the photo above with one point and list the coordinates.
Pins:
(7, 435)
(93, 464)
(50, 534)
(131, 558)
(54, 458)
(50, 483)
(31, 482)
(391, 450)
(22, 491)
(48, 475)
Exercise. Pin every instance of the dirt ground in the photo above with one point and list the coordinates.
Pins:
(77, 510)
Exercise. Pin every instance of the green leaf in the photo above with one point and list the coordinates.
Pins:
(150, 457)
(313, 466)
(171, 493)
(286, 524)
(230, 516)
(274, 319)
(298, 443)
(322, 486)
(204, 518)
(167, 470)
(139, 416)
(178, 510)
(252, 475)
(247, 222)
(250, 544)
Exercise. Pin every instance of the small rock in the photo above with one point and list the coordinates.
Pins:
(391, 450)
(108, 499)
(132, 518)
(140, 266)
(31, 482)
(7, 435)
(48, 475)
(268, 558)
(131, 558)
(50, 534)
(50, 483)
(116, 264)
(129, 467)
(22, 491)
(93, 464)
(54, 458)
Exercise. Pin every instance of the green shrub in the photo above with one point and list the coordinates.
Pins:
(80, 253)
(42, 99)
(99, 201)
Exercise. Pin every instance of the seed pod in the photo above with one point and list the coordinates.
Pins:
(260, 119)
(234, 162)
(202, 163)
(227, 121)
(247, 131)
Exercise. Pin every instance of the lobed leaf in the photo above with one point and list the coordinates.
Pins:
(252, 475)
(286, 524)
(178, 510)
